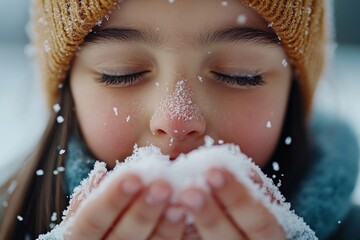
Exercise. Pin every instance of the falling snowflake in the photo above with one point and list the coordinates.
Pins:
(288, 140)
(60, 119)
(276, 166)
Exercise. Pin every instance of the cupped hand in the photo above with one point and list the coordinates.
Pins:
(230, 211)
(125, 209)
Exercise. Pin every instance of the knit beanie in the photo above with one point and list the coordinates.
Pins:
(59, 27)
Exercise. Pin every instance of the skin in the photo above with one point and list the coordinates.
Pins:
(179, 74)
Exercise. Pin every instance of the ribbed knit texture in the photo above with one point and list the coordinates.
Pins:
(59, 27)
(304, 32)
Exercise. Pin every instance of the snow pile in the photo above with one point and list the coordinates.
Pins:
(189, 170)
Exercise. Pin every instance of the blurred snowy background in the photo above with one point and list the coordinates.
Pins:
(22, 110)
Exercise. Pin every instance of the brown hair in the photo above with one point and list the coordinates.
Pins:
(37, 197)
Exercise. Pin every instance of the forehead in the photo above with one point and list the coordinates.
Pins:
(195, 23)
(183, 17)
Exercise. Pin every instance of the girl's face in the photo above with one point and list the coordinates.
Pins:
(169, 74)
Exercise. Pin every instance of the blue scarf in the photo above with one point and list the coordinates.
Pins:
(323, 199)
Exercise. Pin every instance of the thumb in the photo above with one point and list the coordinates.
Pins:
(87, 185)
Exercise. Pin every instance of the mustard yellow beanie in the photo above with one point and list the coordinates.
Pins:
(59, 27)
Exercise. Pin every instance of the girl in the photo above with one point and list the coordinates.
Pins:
(119, 73)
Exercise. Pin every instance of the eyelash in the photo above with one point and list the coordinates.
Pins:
(242, 81)
(129, 79)
(121, 80)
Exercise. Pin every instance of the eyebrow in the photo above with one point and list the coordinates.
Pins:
(232, 34)
(125, 35)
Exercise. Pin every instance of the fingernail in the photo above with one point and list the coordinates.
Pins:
(174, 214)
(131, 186)
(194, 200)
(215, 178)
(157, 194)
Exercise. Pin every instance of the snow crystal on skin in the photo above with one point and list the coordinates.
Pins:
(171, 1)
(189, 171)
(224, 3)
(128, 118)
(115, 111)
(284, 62)
(200, 78)
(179, 105)
(268, 124)
(241, 19)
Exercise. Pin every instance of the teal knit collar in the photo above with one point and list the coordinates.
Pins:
(323, 199)
(78, 164)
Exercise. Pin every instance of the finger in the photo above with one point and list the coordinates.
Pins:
(209, 218)
(247, 212)
(99, 212)
(171, 225)
(141, 218)
(80, 193)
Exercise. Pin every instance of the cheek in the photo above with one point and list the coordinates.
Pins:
(106, 124)
(255, 126)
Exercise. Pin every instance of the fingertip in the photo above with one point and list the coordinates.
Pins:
(193, 199)
(159, 191)
(175, 214)
(215, 178)
(131, 184)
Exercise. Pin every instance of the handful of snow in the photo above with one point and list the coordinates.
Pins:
(189, 170)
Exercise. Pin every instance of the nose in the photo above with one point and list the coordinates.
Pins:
(177, 116)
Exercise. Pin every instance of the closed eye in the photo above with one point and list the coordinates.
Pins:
(247, 80)
(121, 80)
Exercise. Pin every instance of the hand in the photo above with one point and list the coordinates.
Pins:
(125, 209)
(229, 211)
